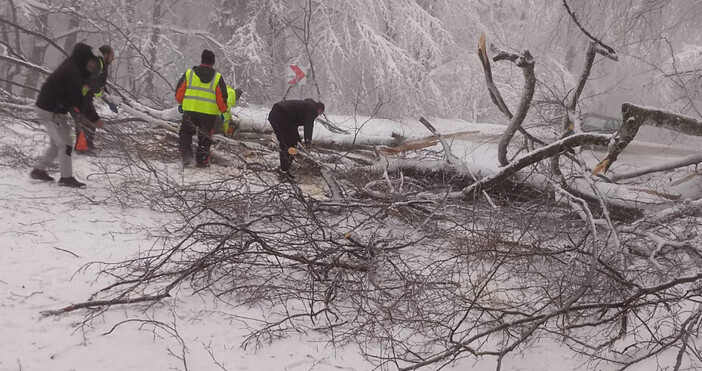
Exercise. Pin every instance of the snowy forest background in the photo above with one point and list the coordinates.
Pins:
(407, 57)
(451, 214)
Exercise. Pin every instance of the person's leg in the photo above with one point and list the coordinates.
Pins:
(59, 132)
(278, 122)
(219, 126)
(283, 148)
(63, 142)
(185, 138)
(45, 118)
(284, 158)
(288, 139)
(90, 134)
(225, 127)
(205, 125)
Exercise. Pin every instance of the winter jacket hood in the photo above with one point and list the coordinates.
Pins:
(204, 72)
(80, 56)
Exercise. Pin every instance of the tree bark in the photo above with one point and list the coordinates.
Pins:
(73, 24)
(633, 117)
(526, 63)
(12, 70)
(37, 54)
(153, 43)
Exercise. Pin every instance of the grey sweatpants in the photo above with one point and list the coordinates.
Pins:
(60, 143)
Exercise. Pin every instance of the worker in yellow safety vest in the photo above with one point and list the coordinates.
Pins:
(229, 126)
(202, 93)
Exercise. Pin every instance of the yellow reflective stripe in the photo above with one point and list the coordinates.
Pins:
(190, 78)
(195, 97)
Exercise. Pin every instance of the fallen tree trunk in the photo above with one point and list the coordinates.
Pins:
(534, 157)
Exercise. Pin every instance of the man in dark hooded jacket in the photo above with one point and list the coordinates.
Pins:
(62, 92)
(202, 93)
(285, 117)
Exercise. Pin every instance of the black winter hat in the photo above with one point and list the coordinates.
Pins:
(208, 57)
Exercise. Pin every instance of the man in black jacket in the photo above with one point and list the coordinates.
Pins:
(62, 92)
(285, 117)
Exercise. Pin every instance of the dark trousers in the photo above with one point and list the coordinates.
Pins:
(202, 125)
(286, 132)
(87, 128)
(218, 126)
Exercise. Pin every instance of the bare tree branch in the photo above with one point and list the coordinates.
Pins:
(633, 117)
(37, 34)
(611, 54)
(671, 165)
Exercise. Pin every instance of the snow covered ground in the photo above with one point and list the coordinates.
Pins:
(51, 239)
(48, 235)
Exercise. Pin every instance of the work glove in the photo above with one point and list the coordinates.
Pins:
(180, 108)
(113, 107)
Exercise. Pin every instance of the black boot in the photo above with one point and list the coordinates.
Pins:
(71, 182)
(41, 175)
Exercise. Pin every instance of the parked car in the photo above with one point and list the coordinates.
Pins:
(593, 122)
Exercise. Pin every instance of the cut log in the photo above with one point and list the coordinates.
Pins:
(413, 145)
